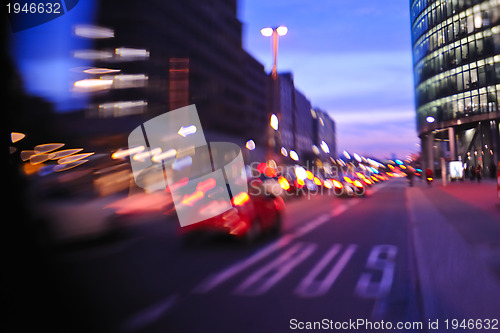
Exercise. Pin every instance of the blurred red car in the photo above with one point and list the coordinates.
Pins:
(253, 214)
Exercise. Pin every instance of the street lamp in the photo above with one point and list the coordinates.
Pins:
(274, 119)
(274, 33)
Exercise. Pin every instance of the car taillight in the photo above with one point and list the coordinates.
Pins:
(299, 183)
(240, 199)
(317, 181)
(283, 183)
(270, 172)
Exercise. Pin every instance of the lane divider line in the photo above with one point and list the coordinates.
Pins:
(269, 275)
(217, 279)
(149, 315)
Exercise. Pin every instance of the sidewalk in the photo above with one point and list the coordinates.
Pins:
(456, 241)
(482, 195)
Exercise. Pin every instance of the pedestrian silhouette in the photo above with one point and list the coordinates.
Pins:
(429, 175)
(478, 173)
(409, 175)
(472, 172)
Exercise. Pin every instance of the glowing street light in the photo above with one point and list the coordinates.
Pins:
(324, 147)
(293, 155)
(250, 145)
(430, 119)
(274, 122)
(267, 32)
(17, 136)
(281, 30)
(92, 85)
(274, 33)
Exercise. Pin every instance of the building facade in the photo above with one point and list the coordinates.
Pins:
(456, 62)
(296, 121)
(308, 131)
(195, 57)
(304, 136)
(325, 137)
(287, 111)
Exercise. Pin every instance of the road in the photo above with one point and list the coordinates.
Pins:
(338, 261)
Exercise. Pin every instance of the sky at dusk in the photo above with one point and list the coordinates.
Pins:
(350, 58)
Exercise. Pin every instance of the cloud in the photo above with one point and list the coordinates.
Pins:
(379, 134)
(374, 117)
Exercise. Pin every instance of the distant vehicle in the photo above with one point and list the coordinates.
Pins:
(429, 176)
(304, 181)
(253, 214)
(296, 187)
(356, 185)
(348, 187)
(352, 183)
(74, 205)
(274, 185)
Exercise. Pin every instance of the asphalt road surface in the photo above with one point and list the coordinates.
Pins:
(337, 261)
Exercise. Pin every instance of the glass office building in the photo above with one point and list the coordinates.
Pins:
(456, 62)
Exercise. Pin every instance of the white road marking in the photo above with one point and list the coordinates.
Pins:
(269, 275)
(311, 287)
(310, 226)
(381, 258)
(219, 278)
(149, 315)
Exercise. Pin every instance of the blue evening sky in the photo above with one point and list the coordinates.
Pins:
(350, 58)
(44, 55)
